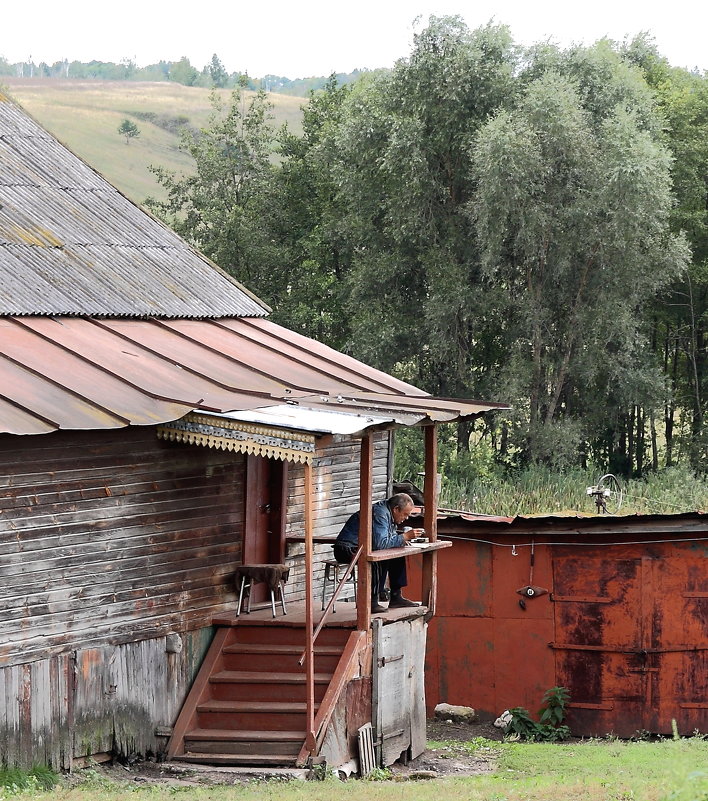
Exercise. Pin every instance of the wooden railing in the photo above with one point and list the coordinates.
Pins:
(332, 601)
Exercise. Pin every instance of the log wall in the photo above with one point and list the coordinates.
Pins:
(336, 490)
(116, 549)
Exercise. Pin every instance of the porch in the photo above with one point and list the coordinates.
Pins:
(256, 701)
(345, 616)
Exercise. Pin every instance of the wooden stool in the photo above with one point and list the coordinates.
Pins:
(331, 575)
(274, 576)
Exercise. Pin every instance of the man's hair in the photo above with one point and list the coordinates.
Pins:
(399, 501)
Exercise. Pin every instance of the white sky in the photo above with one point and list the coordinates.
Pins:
(300, 38)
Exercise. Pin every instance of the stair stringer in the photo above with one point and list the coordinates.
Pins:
(332, 741)
(199, 692)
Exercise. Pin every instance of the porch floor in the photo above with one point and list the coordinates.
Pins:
(344, 617)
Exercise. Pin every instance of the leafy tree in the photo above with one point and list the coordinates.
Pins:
(183, 72)
(307, 219)
(223, 206)
(682, 312)
(572, 214)
(404, 171)
(129, 130)
(219, 75)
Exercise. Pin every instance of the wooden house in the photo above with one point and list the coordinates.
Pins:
(157, 432)
(614, 608)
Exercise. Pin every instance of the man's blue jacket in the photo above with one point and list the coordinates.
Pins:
(383, 534)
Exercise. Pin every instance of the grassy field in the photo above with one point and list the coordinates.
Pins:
(606, 770)
(85, 116)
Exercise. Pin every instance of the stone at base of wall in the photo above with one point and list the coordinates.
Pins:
(457, 714)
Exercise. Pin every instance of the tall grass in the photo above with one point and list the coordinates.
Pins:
(538, 490)
(16, 780)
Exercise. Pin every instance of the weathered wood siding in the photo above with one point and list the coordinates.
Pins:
(97, 700)
(108, 542)
(109, 537)
(336, 489)
(112, 545)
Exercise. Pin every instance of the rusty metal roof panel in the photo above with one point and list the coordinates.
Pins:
(157, 373)
(78, 373)
(71, 244)
(328, 360)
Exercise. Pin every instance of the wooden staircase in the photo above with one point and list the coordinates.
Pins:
(247, 705)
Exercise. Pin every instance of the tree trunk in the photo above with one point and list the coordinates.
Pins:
(464, 430)
(654, 446)
(639, 458)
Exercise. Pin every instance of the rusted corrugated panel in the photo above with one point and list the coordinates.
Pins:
(76, 373)
(71, 244)
(624, 624)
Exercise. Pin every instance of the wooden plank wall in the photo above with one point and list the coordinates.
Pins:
(109, 542)
(97, 700)
(103, 533)
(336, 491)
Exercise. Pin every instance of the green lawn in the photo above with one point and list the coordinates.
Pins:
(606, 770)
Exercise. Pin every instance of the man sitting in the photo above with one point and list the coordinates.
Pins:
(386, 516)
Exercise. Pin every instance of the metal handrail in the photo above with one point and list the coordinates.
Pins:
(333, 599)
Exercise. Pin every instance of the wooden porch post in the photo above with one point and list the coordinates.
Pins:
(363, 601)
(430, 517)
(309, 622)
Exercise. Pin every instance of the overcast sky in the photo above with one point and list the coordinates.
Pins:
(301, 38)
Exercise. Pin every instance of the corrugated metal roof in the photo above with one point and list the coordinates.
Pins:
(78, 373)
(72, 244)
(570, 522)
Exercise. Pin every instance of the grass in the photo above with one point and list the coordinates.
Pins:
(540, 491)
(85, 116)
(595, 770)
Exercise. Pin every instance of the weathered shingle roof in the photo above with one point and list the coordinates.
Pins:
(72, 244)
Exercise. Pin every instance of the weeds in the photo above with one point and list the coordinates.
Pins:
(15, 780)
(549, 727)
(378, 775)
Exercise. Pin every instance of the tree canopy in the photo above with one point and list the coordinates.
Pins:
(521, 225)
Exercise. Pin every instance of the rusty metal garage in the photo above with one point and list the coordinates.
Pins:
(618, 614)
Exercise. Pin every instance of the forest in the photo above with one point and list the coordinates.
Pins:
(525, 225)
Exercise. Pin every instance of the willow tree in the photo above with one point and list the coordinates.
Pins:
(403, 166)
(572, 217)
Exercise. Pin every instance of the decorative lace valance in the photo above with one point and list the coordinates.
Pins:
(232, 435)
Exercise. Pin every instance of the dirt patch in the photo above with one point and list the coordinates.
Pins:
(451, 759)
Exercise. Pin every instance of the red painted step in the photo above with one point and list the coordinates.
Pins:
(264, 656)
(242, 685)
(268, 715)
(235, 741)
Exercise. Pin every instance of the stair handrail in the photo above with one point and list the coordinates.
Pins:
(333, 599)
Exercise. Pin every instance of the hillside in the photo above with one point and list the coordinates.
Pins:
(85, 116)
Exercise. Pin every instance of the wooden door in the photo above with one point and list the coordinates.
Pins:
(398, 707)
(265, 514)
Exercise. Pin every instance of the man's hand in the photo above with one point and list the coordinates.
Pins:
(412, 533)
